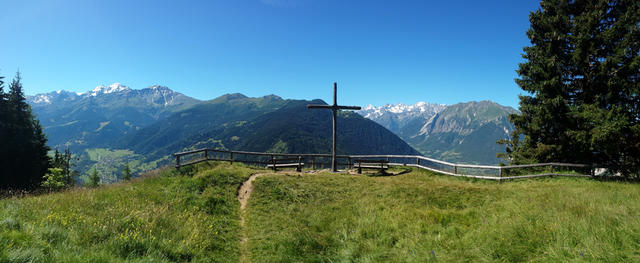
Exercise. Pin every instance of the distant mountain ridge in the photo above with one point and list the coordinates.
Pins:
(156, 94)
(401, 119)
(112, 125)
(99, 116)
(265, 124)
(463, 132)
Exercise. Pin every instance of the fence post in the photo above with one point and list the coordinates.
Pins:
(349, 162)
(313, 162)
(273, 162)
(500, 173)
(551, 170)
(231, 157)
(455, 169)
(206, 154)
(177, 161)
(299, 169)
(418, 161)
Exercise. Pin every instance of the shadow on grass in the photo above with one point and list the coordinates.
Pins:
(394, 172)
(613, 178)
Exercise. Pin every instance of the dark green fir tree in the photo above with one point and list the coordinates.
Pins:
(23, 152)
(94, 178)
(581, 74)
(126, 172)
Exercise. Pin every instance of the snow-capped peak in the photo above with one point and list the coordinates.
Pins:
(402, 110)
(369, 107)
(159, 88)
(115, 87)
(156, 94)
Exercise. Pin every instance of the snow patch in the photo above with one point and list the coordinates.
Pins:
(115, 87)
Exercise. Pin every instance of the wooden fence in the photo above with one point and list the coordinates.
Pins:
(316, 161)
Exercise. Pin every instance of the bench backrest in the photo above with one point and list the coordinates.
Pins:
(285, 160)
(370, 161)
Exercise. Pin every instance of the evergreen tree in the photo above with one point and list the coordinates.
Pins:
(94, 178)
(581, 73)
(23, 153)
(63, 162)
(126, 173)
(4, 120)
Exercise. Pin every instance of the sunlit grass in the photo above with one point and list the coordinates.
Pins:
(164, 218)
(411, 217)
(420, 216)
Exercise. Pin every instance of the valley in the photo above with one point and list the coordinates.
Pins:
(459, 133)
(116, 135)
(112, 125)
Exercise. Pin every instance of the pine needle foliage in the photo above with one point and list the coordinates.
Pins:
(126, 172)
(23, 151)
(94, 178)
(581, 74)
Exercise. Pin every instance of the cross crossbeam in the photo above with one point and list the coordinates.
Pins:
(334, 108)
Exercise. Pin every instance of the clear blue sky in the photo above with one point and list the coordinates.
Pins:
(378, 51)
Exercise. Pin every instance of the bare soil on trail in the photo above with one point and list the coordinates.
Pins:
(243, 197)
(244, 193)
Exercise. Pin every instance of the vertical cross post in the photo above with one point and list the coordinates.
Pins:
(334, 161)
(334, 108)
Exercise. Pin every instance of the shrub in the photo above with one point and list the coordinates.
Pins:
(54, 179)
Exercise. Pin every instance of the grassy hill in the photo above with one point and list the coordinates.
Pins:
(414, 217)
(163, 218)
(423, 217)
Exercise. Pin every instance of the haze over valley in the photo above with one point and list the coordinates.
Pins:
(115, 124)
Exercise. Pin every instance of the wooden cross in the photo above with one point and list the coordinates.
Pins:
(335, 107)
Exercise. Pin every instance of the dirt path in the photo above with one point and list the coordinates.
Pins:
(243, 197)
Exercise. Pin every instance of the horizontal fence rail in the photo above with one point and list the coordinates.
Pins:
(316, 161)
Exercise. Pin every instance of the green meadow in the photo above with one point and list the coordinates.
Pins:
(165, 217)
(420, 216)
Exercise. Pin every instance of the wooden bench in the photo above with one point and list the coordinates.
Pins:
(286, 162)
(371, 164)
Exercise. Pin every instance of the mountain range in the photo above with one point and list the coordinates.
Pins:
(112, 125)
(463, 132)
(99, 117)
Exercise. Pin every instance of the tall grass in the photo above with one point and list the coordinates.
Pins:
(193, 216)
(164, 218)
(422, 216)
